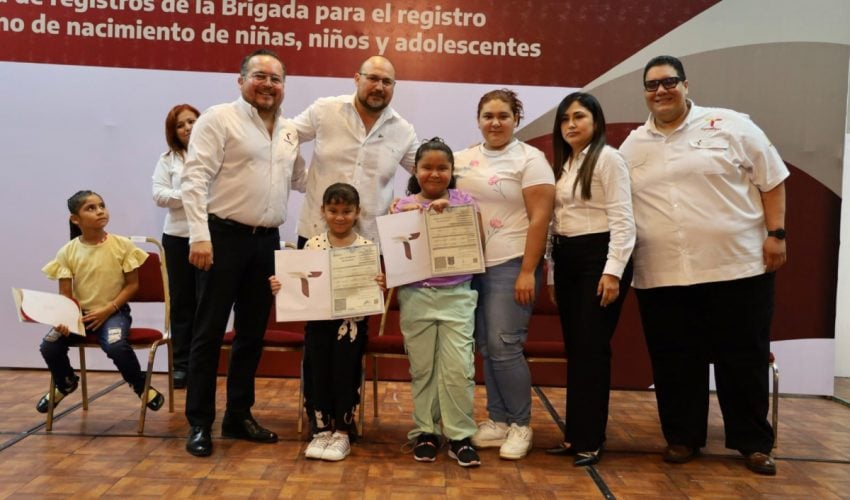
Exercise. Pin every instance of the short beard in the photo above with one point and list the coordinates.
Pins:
(369, 107)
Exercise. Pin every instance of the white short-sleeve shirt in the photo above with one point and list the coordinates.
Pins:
(696, 196)
(496, 180)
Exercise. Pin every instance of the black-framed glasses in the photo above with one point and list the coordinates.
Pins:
(375, 79)
(260, 78)
(668, 83)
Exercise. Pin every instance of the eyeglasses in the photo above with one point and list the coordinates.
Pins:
(375, 79)
(668, 83)
(263, 77)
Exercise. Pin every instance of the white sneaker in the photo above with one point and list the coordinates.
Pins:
(318, 444)
(518, 442)
(338, 448)
(490, 434)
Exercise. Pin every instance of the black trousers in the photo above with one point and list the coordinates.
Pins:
(726, 323)
(335, 372)
(237, 280)
(182, 289)
(588, 328)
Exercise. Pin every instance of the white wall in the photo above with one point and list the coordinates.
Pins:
(65, 128)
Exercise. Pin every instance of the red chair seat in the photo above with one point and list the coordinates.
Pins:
(144, 336)
(545, 349)
(137, 336)
(386, 344)
(283, 338)
(272, 338)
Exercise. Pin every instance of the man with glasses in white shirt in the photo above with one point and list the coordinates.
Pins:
(241, 162)
(708, 193)
(359, 140)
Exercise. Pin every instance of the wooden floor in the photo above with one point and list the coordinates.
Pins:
(97, 453)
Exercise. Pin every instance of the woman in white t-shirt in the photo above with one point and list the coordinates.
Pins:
(514, 187)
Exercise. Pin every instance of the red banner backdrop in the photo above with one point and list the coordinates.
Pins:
(542, 42)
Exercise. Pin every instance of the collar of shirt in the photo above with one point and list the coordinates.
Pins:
(387, 114)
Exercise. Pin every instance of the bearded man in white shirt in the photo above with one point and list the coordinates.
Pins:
(708, 195)
(359, 140)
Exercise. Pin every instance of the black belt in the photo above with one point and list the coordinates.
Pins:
(232, 225)
(558, 239)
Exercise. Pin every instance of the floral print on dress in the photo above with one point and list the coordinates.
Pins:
(496, 182)
(459, 171)
(495, 224)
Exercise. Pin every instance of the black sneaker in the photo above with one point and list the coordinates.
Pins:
(59, 394)
(426, 448)
(464, 453)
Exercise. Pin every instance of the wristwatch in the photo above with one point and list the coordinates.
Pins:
(778, 233)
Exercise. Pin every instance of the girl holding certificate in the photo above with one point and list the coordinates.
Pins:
(592, 241)
(335, 347)
(514, 186)
(437, 321)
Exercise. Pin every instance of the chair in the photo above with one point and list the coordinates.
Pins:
(545, 343)
(280, 337)
(381, 346)
(153, 288)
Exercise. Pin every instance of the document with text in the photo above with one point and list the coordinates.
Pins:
(328, 284)
(420, 245)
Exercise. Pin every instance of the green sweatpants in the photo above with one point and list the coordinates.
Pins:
(437, 325)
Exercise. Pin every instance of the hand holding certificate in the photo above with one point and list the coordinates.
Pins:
(328, 284)
(420, 245)
(48, 308)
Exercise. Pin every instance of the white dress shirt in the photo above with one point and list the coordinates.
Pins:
(236, 170)
(345, 152)
(166, 193)
(609, 208)
(697, 198)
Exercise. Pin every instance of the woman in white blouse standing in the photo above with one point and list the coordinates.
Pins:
(175, 238)
(593, 234)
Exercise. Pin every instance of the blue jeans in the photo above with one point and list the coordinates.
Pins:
(501, 329)
(112, 336)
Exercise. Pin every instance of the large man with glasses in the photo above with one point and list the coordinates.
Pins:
(709, 205)
(359, 140)
(241, 161)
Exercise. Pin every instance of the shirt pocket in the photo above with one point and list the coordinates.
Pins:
(710, 155)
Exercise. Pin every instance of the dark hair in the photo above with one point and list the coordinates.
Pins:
(174, 144)
(432, 144)
(75, 203)
(243, 68)
(505, 95)
(561, 149)
(665, 61)
(341, 192)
